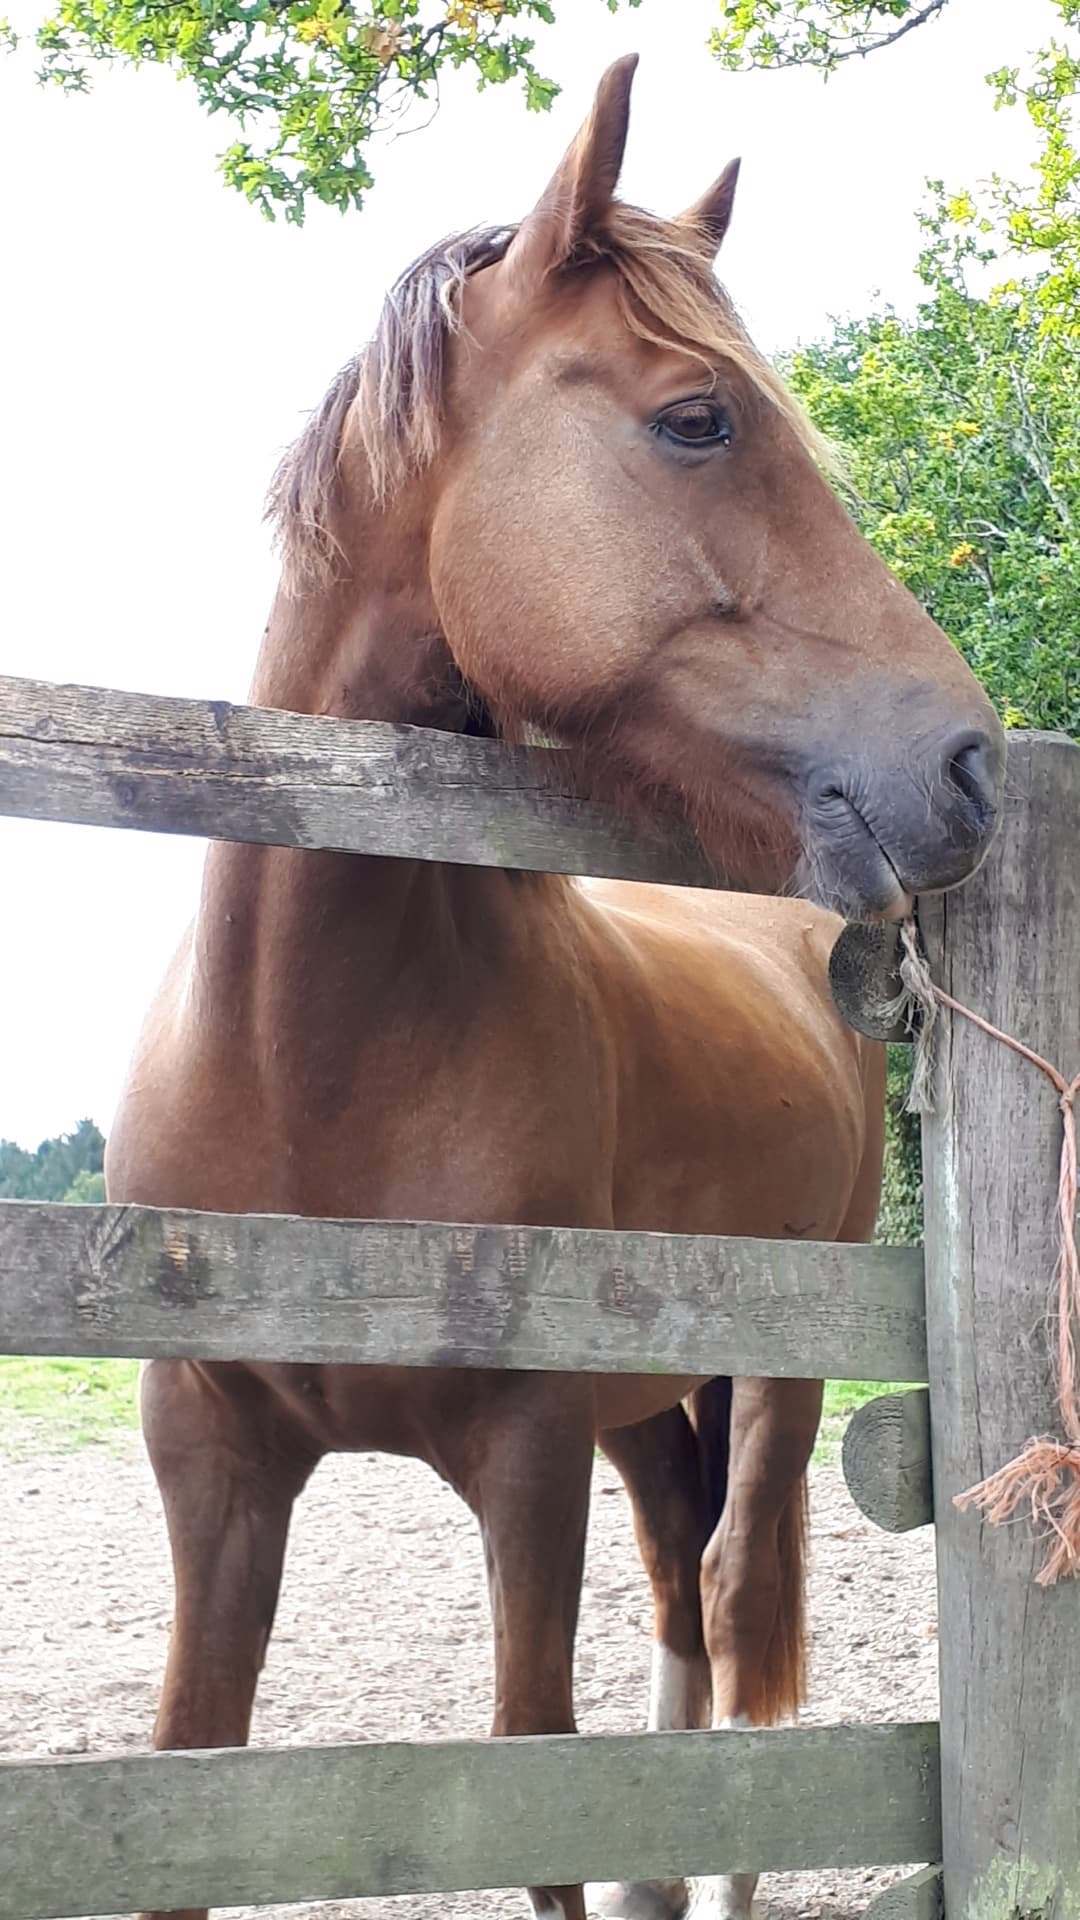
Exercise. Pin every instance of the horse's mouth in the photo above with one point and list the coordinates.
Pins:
(846, 866)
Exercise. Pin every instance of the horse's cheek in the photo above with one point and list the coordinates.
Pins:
(540, 601)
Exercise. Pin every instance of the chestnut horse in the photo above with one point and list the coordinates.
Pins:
(559, 489)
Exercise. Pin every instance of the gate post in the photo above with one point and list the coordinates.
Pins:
(1008, 946)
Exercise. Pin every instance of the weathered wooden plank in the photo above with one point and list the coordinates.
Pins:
(141, 1281)
(920, 1896)
(1008, 945)
(886, 1458)
(228, 1828)
(110, 759)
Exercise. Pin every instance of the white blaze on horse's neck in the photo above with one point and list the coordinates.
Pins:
(669, 1690)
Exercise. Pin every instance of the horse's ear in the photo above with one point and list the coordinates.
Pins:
(579, 193)
(711, 215)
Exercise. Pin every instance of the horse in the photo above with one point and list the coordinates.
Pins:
(559, 490)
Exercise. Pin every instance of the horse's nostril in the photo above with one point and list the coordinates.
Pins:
(972, 764)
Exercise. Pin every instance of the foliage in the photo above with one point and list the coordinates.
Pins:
(962, 440)
(822, 33)
(900, 1219)
(86, 1190)
(814, 33)
(317, 79)
(66, 1167)
(1040, 221)
(307, 82)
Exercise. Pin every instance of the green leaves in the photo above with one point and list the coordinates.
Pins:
(1040, 220)
(962, 438)
(307, 82)
(66, 1167)
(814, 33)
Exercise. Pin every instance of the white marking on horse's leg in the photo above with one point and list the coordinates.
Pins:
(669, 1709)
(669, 1690)
(639, 1900)
(725, 1896)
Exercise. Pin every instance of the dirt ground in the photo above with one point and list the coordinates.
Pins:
(383, 1631)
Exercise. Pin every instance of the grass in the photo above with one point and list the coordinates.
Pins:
(842, 1399)
(54, 1406)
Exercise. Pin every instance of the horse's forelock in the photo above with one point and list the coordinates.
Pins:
(391, 394)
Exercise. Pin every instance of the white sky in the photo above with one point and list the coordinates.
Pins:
(162, 343)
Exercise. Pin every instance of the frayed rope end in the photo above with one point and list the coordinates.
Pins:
(1045, 1479)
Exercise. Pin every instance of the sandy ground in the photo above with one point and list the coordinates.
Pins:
(383, 1630)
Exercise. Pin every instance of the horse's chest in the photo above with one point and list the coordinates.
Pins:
(465, 1133)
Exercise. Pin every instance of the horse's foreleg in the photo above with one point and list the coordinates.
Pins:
(752, 1581)
(530, 1493)
(661, 1469)
(227, 1502)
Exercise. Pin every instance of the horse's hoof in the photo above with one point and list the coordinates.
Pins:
(639, 1900)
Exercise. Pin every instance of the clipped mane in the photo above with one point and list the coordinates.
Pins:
(390, 395)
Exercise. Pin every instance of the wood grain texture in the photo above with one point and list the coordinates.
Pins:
(886, 1460)
(227, 1828)
(141, 1281)
(1008, 945)
(110, 759)
(921, 1896)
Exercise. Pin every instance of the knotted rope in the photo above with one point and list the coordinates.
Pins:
(1045, 1474)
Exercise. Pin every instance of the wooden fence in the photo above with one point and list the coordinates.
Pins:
(992, 1794)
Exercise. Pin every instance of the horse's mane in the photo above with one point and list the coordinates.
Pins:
(391, 393)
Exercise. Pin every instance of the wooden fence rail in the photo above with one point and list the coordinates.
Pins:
(107, 759)
(143, 1281)
(229, 1828)
(178, 1830)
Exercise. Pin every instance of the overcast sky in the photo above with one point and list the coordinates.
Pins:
(162, 344)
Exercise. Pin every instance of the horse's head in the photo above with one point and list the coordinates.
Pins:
(632, 545)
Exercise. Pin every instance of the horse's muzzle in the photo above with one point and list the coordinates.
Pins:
(877, 834)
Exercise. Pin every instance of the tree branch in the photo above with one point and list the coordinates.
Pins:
(889, 39)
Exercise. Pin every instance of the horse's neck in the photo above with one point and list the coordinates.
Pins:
(272, 921)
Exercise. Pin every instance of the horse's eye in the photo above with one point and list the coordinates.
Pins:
(696, 423)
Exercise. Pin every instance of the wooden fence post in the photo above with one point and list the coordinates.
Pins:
(1007, 945)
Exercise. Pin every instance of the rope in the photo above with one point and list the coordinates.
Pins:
(1045, 1474)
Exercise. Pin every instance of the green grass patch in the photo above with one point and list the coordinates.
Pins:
(842, 1399)
(53, 1406)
